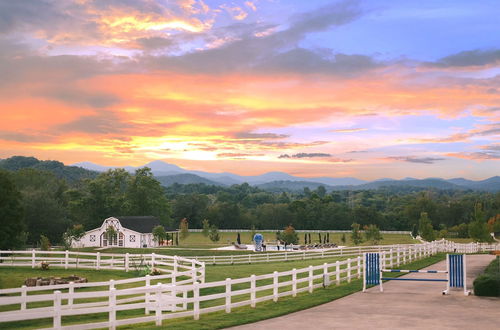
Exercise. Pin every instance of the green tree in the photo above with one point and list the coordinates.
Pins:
(11, 214)
(184, 229)
(425, 228)
(289, 235)
(159, 234)
(44, 243)
(146, 196)
(73, 234)
(356, 234)
(214, 234)
(206, 227)
(372, 233)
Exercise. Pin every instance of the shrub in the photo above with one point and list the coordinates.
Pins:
(487, 285)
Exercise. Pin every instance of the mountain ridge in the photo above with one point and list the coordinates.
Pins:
(281, 181)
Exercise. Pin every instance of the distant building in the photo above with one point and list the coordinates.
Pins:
(129, 232)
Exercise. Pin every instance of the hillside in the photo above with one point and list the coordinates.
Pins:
(70, 173)
(184, 179)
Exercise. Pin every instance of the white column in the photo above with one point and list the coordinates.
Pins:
(294, 282)
(127, 259)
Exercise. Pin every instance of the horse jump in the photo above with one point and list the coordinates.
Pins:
(455, 270)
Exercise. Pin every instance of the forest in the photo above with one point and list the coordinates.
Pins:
(35, 202)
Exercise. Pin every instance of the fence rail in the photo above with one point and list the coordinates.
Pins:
(155, 302)
(404, 232)
(172, 265)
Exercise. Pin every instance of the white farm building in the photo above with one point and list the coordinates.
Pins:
(129, 232)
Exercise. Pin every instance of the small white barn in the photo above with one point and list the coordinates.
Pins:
(129, 232)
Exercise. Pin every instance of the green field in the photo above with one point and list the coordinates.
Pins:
(196, 244)
(13, 277)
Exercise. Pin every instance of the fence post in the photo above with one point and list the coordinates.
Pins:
(152, 260)
(203, 272)
(252, 291)
(112, 310)
(57, 310)
(71, 291)
(294, 282)
(310, 279)
(33, 258)
(398, 259)
(391, 263)
(194, 271)
(196, 301)
(228, 295)
(98, 261)
(146, 295)
(174, 274)
(337, 272)
(24, 293)
(127, 259)
(349, 270)
(359, 266)
(184, 296)
(158, 311)
(66, 257)
(275, 286)
(286, 255)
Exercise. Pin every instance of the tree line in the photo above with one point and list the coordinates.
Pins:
(36, 202)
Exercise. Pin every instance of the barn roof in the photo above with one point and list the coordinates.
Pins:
(141, 224)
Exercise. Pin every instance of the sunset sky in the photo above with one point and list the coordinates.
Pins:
(367, 89)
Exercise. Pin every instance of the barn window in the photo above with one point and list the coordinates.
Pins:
(132, 238)
(92, 238)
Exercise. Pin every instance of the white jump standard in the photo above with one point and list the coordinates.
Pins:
(455, 270)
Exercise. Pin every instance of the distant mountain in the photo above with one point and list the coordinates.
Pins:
(70, 173)
(425, 183)
(492, 184)
(184, 178)
(280, 181)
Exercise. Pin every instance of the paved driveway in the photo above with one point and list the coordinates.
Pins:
(402, 305)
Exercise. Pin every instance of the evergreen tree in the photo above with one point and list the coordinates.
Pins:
(356, 234)
(425, 228)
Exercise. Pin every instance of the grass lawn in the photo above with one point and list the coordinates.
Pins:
(196, 244)
(13, 277)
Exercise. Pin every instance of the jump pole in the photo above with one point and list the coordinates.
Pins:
(456, 275)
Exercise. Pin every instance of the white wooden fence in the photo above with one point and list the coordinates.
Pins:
(167, 301)
(87, 260)
(443, 245)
